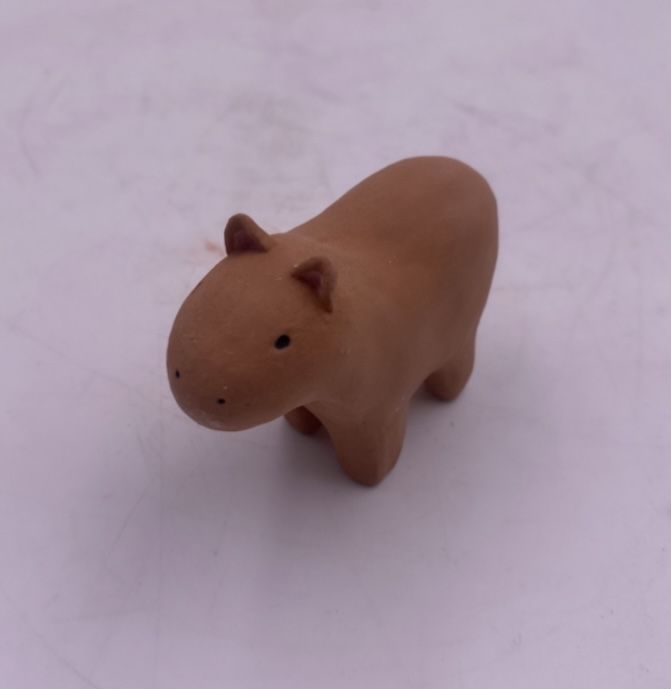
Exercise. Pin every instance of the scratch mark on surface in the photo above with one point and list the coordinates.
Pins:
(126, 522)
(534, 223)
(44, 641)
(158, 620)
(385, 638)
(23, 141)
(26, 335)
(55, 92)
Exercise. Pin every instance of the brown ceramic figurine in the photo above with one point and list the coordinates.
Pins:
(340, 320)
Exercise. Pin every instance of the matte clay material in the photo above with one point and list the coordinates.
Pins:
(339, 321)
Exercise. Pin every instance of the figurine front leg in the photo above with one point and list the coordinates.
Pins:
(368, 448)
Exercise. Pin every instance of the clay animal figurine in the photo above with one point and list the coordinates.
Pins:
(340, 320)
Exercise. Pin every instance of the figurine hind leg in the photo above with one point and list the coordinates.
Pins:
(303, 420)
(448, 381)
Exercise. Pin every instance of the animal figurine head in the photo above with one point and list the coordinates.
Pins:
(258, 336)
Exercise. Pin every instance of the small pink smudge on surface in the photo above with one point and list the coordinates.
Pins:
(214, 248)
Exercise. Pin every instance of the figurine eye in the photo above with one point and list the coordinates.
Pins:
(282, 342)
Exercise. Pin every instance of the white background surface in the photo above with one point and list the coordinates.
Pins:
(524, 539)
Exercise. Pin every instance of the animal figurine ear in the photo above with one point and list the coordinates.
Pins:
(242, 234)
(319, 275)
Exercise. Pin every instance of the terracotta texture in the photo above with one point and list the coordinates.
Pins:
(340, 320)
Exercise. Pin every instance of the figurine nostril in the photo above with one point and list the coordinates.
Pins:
(221, 400)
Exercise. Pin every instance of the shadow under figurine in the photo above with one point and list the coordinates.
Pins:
(340, 320)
